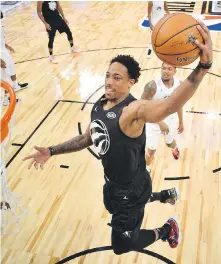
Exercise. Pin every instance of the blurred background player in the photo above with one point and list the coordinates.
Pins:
(160, 89)
(156, 11)
(49, 13)
(7, 66)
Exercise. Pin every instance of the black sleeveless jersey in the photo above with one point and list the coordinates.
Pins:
(50, 12)
(123, 158)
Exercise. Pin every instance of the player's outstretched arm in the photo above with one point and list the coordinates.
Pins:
(75, 144)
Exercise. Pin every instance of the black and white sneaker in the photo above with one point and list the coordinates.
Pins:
(21, 86)
(169, 196)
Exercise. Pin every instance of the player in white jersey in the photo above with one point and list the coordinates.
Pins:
(160, 89)
(7, 65)
(156, 11)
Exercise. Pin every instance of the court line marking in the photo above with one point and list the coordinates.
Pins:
(34, 131)
(85, 51)
(105, 248)
(216, 170)
(176, 178)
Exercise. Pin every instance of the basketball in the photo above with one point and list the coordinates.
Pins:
(173, 39)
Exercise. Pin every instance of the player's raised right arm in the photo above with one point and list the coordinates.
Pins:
(155, 111)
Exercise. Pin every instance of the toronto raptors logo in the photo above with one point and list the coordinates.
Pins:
(52, 5)
(100, 136)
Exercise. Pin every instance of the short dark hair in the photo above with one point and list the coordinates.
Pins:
(169, 64)
(130, 63)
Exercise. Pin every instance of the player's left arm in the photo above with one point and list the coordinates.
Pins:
(166, 8)
(61, 11)
(180, 116)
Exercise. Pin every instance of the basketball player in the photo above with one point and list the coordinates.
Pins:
(156, 11)
(159, 89)
(49, 12)
(117, 130)
(7, 66)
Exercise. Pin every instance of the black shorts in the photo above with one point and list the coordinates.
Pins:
(127, 209)
(117, 199)
(59, 26)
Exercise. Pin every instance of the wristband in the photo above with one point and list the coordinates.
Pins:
(51, 151)
(205, 65)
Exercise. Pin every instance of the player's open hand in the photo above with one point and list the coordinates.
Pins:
(164, 128)
(38, 158)
(206, 54)
(48, 27)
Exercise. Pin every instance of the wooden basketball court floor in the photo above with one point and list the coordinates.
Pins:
(66, 214)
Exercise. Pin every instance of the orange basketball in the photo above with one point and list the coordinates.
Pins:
(173, 39)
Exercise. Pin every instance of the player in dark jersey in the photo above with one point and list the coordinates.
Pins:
(51, 14)
(117, 132)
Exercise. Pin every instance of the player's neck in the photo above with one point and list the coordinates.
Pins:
(111, 103)
(168, 83)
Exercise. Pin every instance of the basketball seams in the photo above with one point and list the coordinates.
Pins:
(176, 35)
(161, 26)
(177, 53)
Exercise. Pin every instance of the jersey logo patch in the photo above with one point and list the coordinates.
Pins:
(111, 115)
(100, 136)
(52, 5)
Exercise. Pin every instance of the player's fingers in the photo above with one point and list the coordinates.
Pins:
(30, 164)
(28, 157)
(42, 166)
(201, 46)
(204, 27)
(203, 33)
(36, 165)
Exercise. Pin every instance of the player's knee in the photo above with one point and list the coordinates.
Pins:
(121, 248)
(117, 251)
(170, 145)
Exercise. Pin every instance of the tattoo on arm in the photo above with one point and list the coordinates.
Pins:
(75, 144)
(195, 77)
(149, 91)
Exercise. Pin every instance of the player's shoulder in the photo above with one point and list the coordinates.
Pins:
(151, 84)
(149, 90)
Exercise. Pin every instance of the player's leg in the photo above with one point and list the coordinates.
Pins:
(152, 141)
(65, 28)
(51, 37)
(127, 236)
(170, 138)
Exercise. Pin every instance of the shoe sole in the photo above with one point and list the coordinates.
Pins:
(177, 195)
(180, 234)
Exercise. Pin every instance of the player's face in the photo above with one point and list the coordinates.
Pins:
(167, 72)
(117, 81)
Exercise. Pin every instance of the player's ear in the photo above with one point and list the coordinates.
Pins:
(131, 82)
